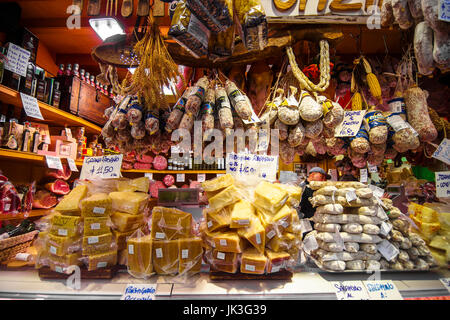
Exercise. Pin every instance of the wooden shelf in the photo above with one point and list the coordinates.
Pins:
(175, 172)
(50, 114)
(27, 156)
(33, 213)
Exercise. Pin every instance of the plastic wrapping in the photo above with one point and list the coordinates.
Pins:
(196, 96)
(216, 15)
(66, 226)
(224, 241)
(217, 219)
(139, 255)
(170, 224)
(100, 260)
(224, 109)
(253, 23)
(222, 44)
(360, 142)
(269, 198)
(92, 245)
(222, 261)
(97, 205)
(129, 202)
(165, 257)
(253, 262)
(208, 109)
(190, 253)
(239, 101)
(61, 246)
(178, 109)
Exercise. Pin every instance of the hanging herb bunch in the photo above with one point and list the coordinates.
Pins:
(156, 69)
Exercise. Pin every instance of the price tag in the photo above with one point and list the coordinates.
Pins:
(149, 175)
(442, 153)
(381, 213)
(443, 184)
(139, 292)
(54, 162)
(363, 175)
(446, 283)
(310, 244)
(382, 290)
(305, 225)
(31, 106)
(337, 238)
(350, 290)
(351, 196)
(68, 133)
(351, 124)
(377, 192)
(201, 177)
(263, 140)
(385, 228)
(397, 123)
(254, 117)
(387, 249)
(105, 167)
(180, 177)
(219, 175)
(373, 169)
(72, 165)
(18, 59)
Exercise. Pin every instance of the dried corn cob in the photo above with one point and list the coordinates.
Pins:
(374, 85)
(357, 101)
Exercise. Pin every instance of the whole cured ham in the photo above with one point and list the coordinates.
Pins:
(44, 200)
(59, 187)
(60, 174)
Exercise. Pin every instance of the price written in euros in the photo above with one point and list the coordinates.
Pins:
(103, 170)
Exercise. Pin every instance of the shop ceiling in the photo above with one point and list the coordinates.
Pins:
(47, 19)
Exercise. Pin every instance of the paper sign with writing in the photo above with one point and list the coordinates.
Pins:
(263, 140)
(442, 153)
(443, 184)
(105, 167)
(139, 292)
(245, 165)
(350, 290)
(18, 59)
(372, 169)
(387, 250)
(363, 175)
(351, 123)
(31, 106)
(382, 290)
(385, 228)
(180, 177)
(54, 162)
(201, 177)
(446, 283)
(254, 117)
(72, 165)
(444, 10)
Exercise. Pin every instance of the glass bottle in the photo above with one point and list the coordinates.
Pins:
(76, 70)
(69, 70)
(61, 70)
(83, 75)
(56, 95)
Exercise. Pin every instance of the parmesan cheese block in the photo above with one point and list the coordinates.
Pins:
(97, 244)
(70, 203)
(125, 222)
(276, 260)
(224, 198)
(218, 183)
(241, 213)
(222, 261)
(283, 243)
(278, 223)
(226, 241)
(170, 224)
(95, 226)
(120, 238)
(295, 193)
(270, 198)
(190, 253)
(65, 226)
(217, 219)
(61, 246)
(97, 205)
(139, 184)
(255, 233)
(129, 202)
(58, 264)
(102, 260)
(139, 256)
(165, 257)
(253, 262)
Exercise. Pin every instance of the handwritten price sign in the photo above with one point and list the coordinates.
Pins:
(351, 123)
(105, 167)
(442, 153)
(443, 184)
(245, 165)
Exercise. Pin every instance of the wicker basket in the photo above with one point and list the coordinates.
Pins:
(10, 247)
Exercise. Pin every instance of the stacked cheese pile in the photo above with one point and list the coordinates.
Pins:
(128, 204)
(410, 251)
(346, 226)
(170, 249)
(262, 232)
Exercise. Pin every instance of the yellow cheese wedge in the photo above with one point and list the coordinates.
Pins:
(190, 253)
(170, 224)
(275, 225)
(59, 264)
(102, 260)
(223, 261)
(426, 214)
(96, 244)
(440, 242)
(295, 193)
(269, 197)
(225, 198)
(217, 219)
(95, 226)
(294, 227)
(120, 238)
(225, 241)
(283, 243)
(440, 257)
(165, 257)
(65, 226)
(276, 260)
(125, 221)
(253, 262)
(61, 246)
(218, 183)
(241, 213)
(255, 234)
(70, 204)
(140, 256)
(129, 202)
(97, 205)
(139, 184)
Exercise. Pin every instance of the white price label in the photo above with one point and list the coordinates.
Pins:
(184, 253)
(106, 167)
(92, 240)
(149, 175)
(350, 290)
(305, 225)
(95, 226)
(159, 253)
(444, 10)
(388, 250)
(72, 165)
(276, 268)
(446, 283)
(180, 177)
(271, 234)
(351, 124)
(54, 162)
(381, 213)
(397, 123)
(254, 117)
(250, 267)
(31, 106)
(201, 177)
(223, 242)
(130, 249)
(382, 290)
(102, 264)
(443, 184)
(258, 238)
(244, 222)
(219, 175)
(160, 235)
(139, 292)
(373, 169)
(220, 255)
(62, 232)
(53, 250)
(210, 224)
(98, 210)
(351, 196)
(337, 238)
(442, 153)
(363, 175)
(18, 59)
(385, 228)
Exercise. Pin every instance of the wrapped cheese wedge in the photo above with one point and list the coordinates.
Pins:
(65, 226)
(120, 238)
(253, 262)
(222, 261)
(70, 204)
(95, 226)
(101, 260)
(131, 185)
(96, 244)
(60, 264)
(270, 198)
(61, 246)
(276, 261)
(241, 213)
(139, 249)
(218, 183)
(255, 233)
(129, 202)
(217, 219)
(190, 253)
(165, 257)
(225, 241)
(126, 222)
(225, 198)
(170, 224)
(97, 205)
